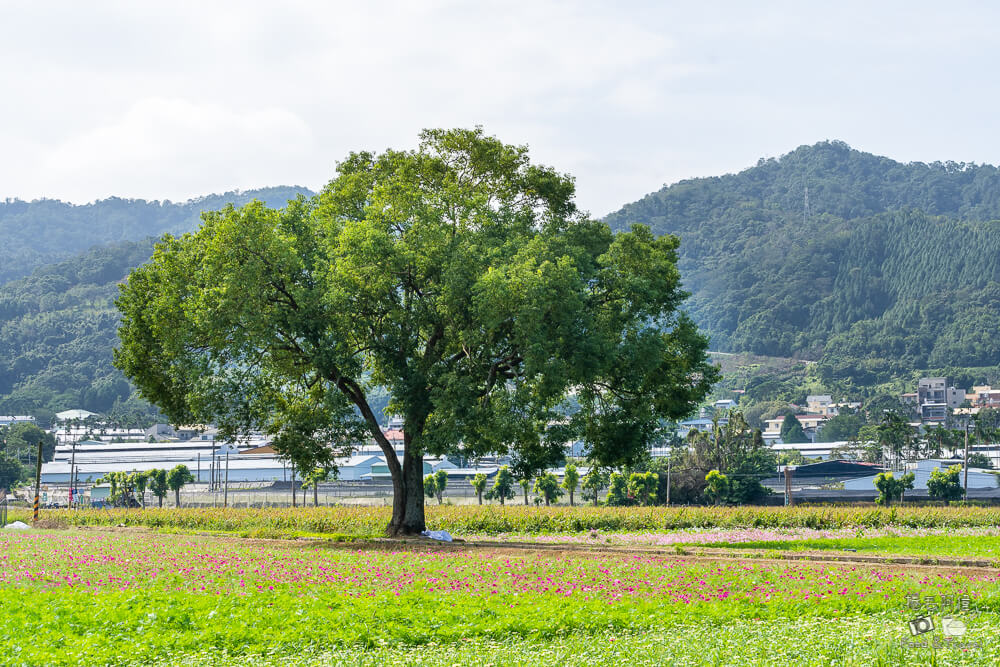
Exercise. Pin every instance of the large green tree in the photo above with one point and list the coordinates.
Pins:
(458, 276)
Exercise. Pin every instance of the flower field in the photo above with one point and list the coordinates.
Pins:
(125, 597)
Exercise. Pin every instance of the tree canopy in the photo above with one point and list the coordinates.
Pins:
(459, 276)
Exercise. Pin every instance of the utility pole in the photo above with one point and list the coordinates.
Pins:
(72, 463)
(38, 480)
(789, 501)
(668, 475)
(965, 465)
(199, 467)
(225, 493)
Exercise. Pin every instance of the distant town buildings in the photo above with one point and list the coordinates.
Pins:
(10, 420)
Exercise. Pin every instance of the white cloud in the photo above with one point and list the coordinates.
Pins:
(170, 148)
(177, 99)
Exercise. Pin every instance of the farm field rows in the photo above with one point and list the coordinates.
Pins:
(127, 597)
(495, 520)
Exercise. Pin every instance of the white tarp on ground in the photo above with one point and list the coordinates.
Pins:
(17, 525)
(442, 535)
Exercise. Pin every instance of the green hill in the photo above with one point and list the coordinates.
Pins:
(893, 270)
(889, 267)
(36, 233)
(58, 328)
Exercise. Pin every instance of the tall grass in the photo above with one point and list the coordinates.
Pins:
(495, 519)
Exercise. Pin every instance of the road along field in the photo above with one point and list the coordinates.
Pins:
(133, 597)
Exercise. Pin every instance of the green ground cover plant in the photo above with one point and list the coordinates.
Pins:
(97, 597)
(941, 546)
(514, 518)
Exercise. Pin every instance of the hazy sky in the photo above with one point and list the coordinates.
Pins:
(169, 100)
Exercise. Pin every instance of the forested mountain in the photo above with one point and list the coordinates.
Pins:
(42, 232)
(873, 266)
(57, 329)
(891, 268)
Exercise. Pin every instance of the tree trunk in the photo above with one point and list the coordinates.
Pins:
(315, 495)
(571, 498)
(525, 495)
(177, 497)
(408, 495)
(160, 498)
(546, 500)
(408, 478)
(480, 494)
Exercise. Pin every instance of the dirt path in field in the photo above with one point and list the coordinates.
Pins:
(565, 550)
(557, 550)
(698, 553)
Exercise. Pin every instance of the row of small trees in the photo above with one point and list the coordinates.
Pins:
(942, 485)
(636, 488)
(546, 485)
(125, 486)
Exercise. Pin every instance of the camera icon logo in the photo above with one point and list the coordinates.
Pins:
(952, 627)
(921, 625)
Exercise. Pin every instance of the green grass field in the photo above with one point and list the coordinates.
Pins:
(977, 547)
(98, 597)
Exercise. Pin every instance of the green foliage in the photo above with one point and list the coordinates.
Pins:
(163, 618)
(842, 427)
(718, 486)
(178, 477)
(791, 430)
(617, 490)
(525, 483)
(571, 478)
(440, 484)
(430, 486)
(734, 449)
(547, 486)
(979, 460)
(56, 342)
(459, 277)
(23, 438)
(158, 484)
(791, 458)
(503, 485)
(946, 484)
(642, 487)
(46, 231)
(12, 472)
(893, 270)
(479, 484)
(314, 478)
(122, 488)
(139, 481)
(594, 481)
(891, 488)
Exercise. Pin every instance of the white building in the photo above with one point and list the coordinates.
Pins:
(69, 415)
